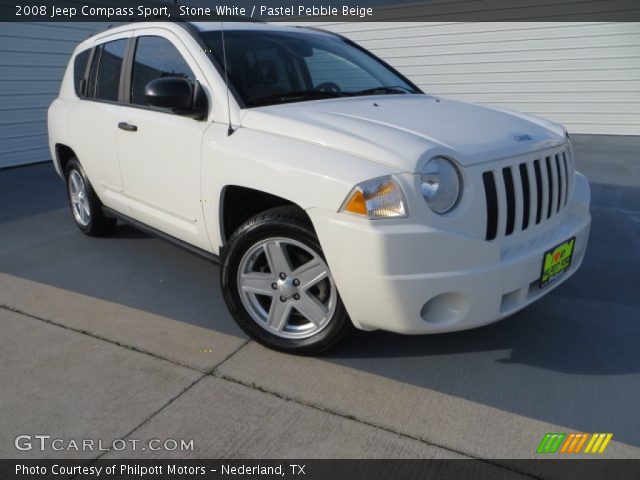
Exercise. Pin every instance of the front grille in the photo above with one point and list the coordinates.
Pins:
(522, 195)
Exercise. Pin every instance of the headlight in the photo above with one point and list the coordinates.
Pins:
(378, 198)
(440, 184)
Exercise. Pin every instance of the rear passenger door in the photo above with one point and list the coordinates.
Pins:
(159, 150)
(92, 124)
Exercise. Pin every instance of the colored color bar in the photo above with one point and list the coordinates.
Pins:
(583, 439)
(550, 443)
(542, 448)
(556, 444)
(573, 443)
(596, 446)
(594, 437)
(576, 439)
(606, 441)
(567, 442)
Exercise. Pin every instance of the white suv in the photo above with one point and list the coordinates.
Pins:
(332, 190)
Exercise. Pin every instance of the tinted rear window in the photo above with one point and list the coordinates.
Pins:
(79, 68)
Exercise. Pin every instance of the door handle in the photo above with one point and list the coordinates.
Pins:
(127, 127)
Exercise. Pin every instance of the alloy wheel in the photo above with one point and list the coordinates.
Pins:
(287, 288)
(79, 199)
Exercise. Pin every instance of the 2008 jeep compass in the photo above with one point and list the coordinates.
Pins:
(333, 190)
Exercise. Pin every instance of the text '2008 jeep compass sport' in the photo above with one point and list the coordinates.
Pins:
(333, 190)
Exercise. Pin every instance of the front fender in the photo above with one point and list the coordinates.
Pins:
(306, 174)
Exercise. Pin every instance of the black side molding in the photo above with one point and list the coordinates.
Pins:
(163, 236)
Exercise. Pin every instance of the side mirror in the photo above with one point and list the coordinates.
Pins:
(179, 95)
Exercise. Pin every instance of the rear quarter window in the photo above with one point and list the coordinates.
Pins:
(79, 69)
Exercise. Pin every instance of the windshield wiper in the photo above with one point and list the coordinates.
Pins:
(294, 97)
(300, 95)
(383, 91)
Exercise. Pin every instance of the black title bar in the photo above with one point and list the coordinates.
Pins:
(319, 469)
(319, 10)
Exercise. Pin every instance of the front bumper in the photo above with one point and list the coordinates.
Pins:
(414, 279)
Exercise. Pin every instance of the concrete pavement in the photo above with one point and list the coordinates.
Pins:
(128, 337)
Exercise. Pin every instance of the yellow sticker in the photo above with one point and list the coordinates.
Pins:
(556, 261)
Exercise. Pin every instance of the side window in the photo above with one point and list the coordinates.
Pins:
(79, 67)
(107, 79)
(156, 57)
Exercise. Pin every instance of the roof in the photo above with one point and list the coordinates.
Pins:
(212, 26)
(205, 27)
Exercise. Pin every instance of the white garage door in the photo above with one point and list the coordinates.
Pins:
(584, 75)
(33, 57)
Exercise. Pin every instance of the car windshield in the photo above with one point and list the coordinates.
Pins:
(272, 67)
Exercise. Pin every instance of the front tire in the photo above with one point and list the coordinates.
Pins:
(278, 286)
(85, 205)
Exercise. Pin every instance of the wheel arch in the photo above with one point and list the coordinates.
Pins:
(238, 204)
(64, 153)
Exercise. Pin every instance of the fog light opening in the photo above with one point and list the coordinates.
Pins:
(446, 308)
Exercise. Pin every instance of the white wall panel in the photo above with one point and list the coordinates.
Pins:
(33, 57)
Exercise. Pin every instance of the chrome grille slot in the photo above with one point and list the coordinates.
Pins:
(525, 194)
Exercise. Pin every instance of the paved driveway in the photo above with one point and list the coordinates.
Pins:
(128, 336)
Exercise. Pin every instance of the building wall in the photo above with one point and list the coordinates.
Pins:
(33, 57)
(584, 75)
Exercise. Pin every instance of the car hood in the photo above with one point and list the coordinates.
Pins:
(402, 131)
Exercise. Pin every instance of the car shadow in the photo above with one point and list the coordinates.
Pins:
(128, 232)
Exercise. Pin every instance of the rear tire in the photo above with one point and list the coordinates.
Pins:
(278, 286)
(86, 208)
